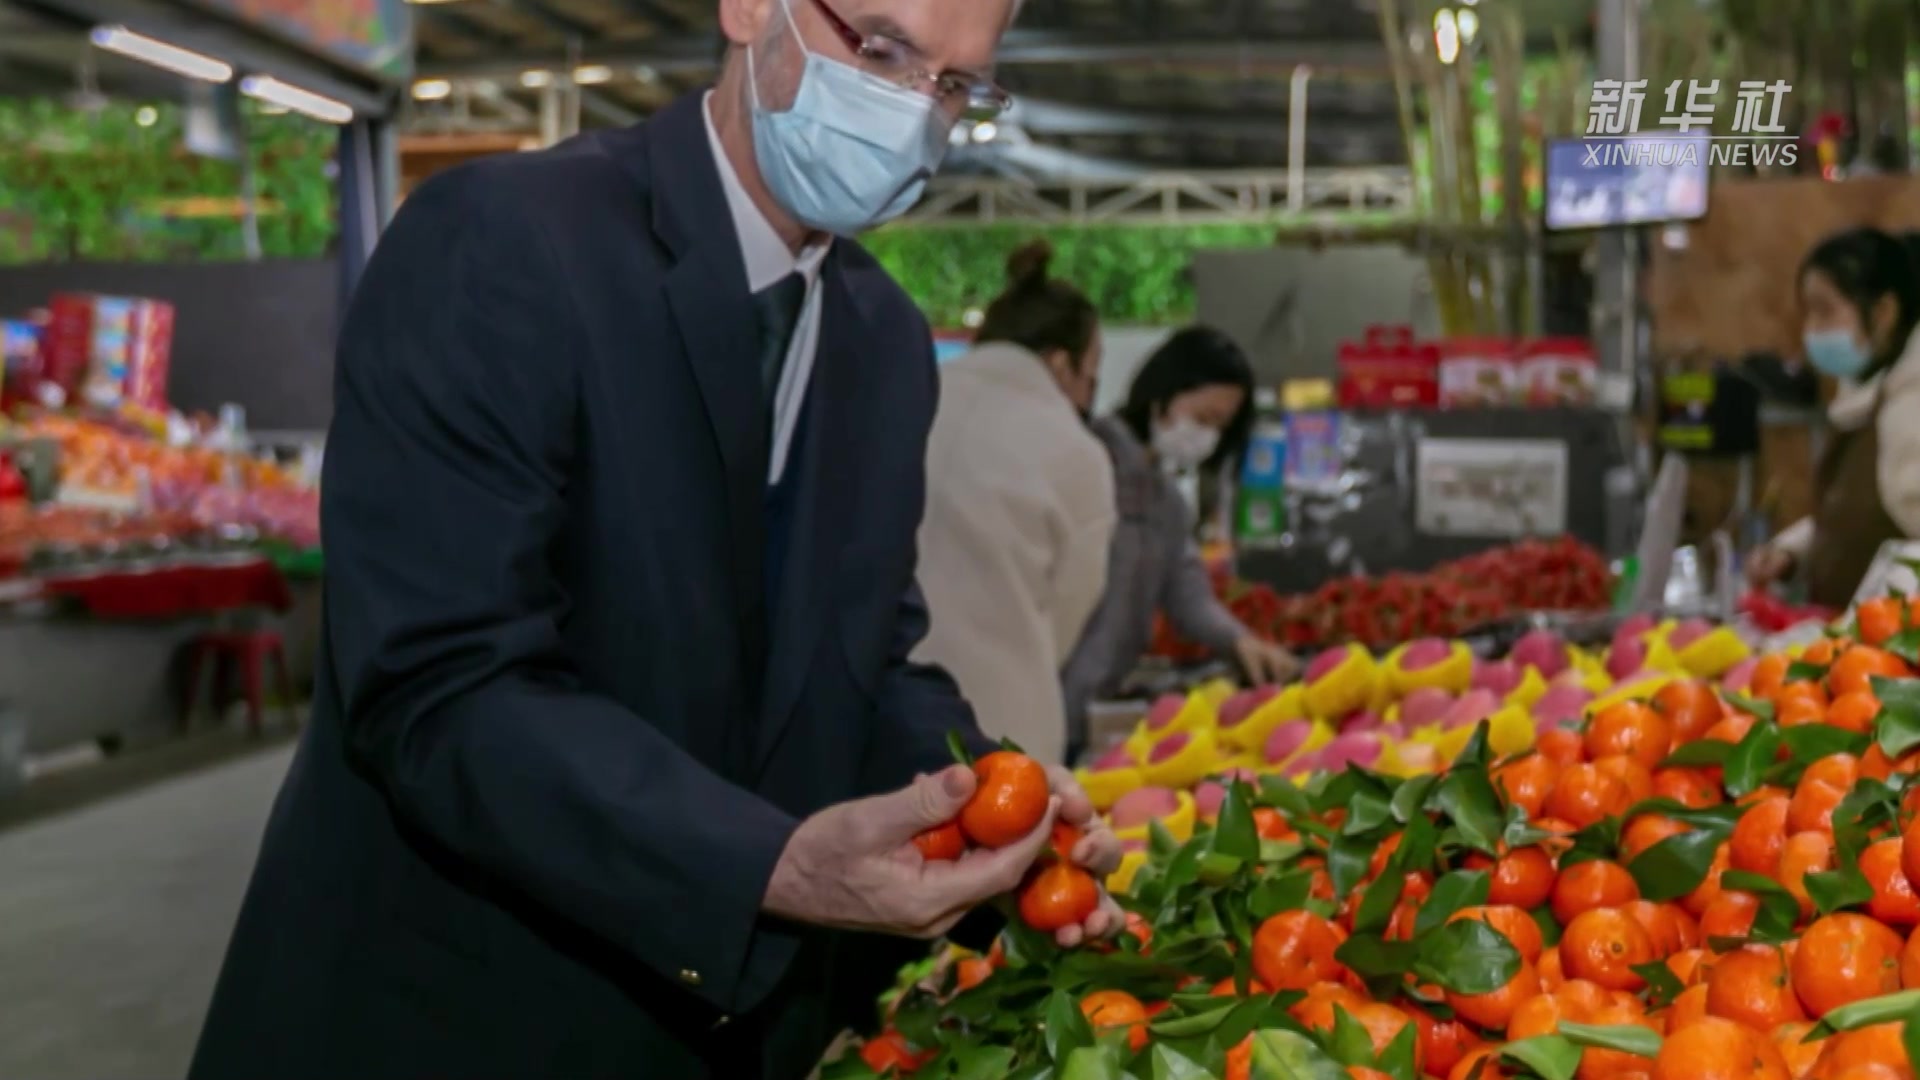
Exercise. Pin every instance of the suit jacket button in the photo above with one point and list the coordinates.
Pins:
(690, 977)
(722, 1022)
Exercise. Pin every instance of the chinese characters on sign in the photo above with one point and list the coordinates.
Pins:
(1757, 134)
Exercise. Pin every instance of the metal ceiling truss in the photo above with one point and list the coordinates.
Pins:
(1170, 198)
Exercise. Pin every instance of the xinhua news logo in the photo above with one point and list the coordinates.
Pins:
(1685, 128)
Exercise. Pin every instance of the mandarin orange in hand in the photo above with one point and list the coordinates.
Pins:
(1058, 895)
(943, 843)
(1009, 801)
(1844, 958)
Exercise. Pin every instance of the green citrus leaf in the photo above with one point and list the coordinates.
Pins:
(1626, 1038)
(1676, 865)
(1234, 833)
(1171, 1064)
(1455, 890)
(1747, 765)
(1289, 1055)
(1552, 1057)
(1897, 729)
(1067, 1027)
(1467, 957)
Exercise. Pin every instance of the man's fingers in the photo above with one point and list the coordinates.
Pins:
(1098, 851)
(1075, 808)
(1068, 937)
(1107, 920)
(984, 873)
(895, 818)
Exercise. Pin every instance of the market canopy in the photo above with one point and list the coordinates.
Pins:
(1102, 86)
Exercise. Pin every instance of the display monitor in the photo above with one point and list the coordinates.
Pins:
(1649, 179)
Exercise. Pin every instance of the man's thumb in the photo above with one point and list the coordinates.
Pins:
(932, 800)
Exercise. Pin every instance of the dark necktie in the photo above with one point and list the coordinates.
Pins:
(778, 306)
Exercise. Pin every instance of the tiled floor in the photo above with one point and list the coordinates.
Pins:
(114, 916)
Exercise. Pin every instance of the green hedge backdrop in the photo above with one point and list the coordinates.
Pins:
(96, 184)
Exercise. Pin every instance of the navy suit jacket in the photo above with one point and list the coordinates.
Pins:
(558, 741)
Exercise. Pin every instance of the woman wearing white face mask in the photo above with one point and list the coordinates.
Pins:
(1189, 408)
(1860, 295)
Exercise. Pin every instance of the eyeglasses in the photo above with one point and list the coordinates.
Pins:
(959, 92)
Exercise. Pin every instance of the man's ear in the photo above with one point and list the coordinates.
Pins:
(742, 20)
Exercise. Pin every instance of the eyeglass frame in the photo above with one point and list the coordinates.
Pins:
(985, 99)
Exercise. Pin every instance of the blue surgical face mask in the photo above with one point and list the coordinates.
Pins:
(1835, 352)
(853, 152)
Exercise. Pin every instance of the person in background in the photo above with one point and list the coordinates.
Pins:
(1190, 407)
(1020, 508)
(1860, 295)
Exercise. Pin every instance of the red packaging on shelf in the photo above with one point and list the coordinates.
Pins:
(1478, 373)
(1388, 370)
(1558, 371)
(116, 350)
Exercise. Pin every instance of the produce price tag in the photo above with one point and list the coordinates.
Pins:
(1491, 487)
(1892, 571)
(1313, 460)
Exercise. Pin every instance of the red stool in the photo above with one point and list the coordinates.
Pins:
(250, 651)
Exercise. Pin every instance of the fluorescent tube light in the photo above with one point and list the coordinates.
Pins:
(305, 102)
(186, 62)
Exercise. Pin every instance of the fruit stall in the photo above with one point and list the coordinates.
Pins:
(143, 530)
(1665, 856)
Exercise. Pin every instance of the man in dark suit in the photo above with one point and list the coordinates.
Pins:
(616, 738)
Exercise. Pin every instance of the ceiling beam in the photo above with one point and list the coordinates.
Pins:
(695, 53)
(1045, 117)
(657, 15)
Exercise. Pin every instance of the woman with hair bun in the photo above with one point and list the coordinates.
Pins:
(1860, 301)
(1020, 507)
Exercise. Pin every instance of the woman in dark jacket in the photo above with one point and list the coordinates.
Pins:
(1189, 408)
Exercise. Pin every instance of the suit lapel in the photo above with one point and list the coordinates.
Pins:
(828, 466)
(714, 314)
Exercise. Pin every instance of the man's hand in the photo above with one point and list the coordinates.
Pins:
(1098, 851)
(854, 866)
(1264, 662)
(1768, 565)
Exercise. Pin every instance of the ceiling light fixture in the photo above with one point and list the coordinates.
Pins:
(592, 74)
(1446, 36)
(1469, 24)
(986, 131)
(186, 62)
(432, 90)
(534, 80)
(305, 102)
(146, 116)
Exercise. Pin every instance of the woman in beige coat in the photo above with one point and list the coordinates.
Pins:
(1860, 296)
(1020, 507)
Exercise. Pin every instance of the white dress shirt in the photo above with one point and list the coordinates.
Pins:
(769, 260)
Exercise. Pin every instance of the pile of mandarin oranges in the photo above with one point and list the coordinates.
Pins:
(1782, 863)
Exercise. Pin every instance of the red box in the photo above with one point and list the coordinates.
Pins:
(110, 350)
(1388, 370)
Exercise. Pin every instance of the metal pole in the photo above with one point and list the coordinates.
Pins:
(1615, 308)
(1297, 139)
(549, 114)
